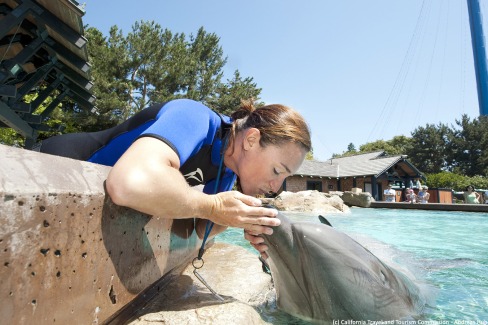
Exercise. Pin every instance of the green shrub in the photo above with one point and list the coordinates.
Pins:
(455, 181)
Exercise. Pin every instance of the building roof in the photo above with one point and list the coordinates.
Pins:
(368, 164)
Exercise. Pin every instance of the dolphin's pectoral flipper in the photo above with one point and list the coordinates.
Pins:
(324, 221)
(384, 297)
(361, 278)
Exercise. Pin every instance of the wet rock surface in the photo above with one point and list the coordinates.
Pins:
(310, 201)
(362, 199)
(233, 272)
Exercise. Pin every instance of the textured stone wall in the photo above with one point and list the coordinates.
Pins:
(67, 252)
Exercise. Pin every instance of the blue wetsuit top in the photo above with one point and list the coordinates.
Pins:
(191, 129)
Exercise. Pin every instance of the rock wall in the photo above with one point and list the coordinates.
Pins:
(233, 272)
(362, 199)
(310, 201)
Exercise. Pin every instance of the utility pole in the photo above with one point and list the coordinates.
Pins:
(479, 54)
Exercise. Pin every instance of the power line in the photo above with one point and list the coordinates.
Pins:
(386, 112)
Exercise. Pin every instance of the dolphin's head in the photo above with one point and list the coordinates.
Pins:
(322, 274)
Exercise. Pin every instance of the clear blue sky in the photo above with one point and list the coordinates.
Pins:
(359, 71)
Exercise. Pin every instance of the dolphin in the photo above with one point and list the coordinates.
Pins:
(321, 274)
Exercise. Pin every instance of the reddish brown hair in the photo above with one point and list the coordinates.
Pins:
(277, 124)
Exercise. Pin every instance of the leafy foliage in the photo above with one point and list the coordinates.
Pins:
(153, 65)
(429, 147)
(447, 180)
(455, 181)
(466, 154)
(442, 150)
(228, 96)
(11, 138)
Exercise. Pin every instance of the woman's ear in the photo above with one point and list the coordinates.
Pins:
(251, 138)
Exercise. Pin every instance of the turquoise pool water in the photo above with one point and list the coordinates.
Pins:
(449, 250)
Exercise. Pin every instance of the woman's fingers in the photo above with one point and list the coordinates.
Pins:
(258, 229)
(252, 238)
(266, 220)
(248, 200)
(257, 242)
(238, 210)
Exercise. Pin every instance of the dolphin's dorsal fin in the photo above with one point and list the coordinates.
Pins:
(324, 221)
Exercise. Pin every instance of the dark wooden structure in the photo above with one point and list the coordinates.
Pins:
(43, 51)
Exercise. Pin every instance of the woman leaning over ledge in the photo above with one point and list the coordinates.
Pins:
(159, 153)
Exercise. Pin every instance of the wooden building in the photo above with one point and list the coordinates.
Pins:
(371, 172)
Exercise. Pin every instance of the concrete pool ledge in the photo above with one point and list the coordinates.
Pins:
(68, 254)
(431, 206)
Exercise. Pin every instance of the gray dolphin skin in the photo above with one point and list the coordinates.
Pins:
(322, 275)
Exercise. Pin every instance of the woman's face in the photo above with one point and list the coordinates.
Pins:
(263, 169)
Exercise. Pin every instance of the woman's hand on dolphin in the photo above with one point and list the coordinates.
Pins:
(257, 242)
(235, 209)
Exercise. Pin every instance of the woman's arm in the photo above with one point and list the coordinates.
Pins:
(147, 178)
(201, 227)
(478, 196)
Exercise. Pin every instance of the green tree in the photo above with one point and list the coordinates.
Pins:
(11, 138)
(108, 57)
(54, 120)
(401, 145)
(377, 146)
(205, 65)
(484, 145)
(429, 148)
(467, 156)
(149, 52)
(396, 146)
(351, 148)
(154, 65)
(228, 95)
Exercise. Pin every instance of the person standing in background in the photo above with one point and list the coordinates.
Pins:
(471, 196)
(411, 197)
(423, 195)
(389, 194)
(417, 184)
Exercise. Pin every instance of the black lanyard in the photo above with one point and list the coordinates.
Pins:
(209, 226)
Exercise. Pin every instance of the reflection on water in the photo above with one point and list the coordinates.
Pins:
(447, 249)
